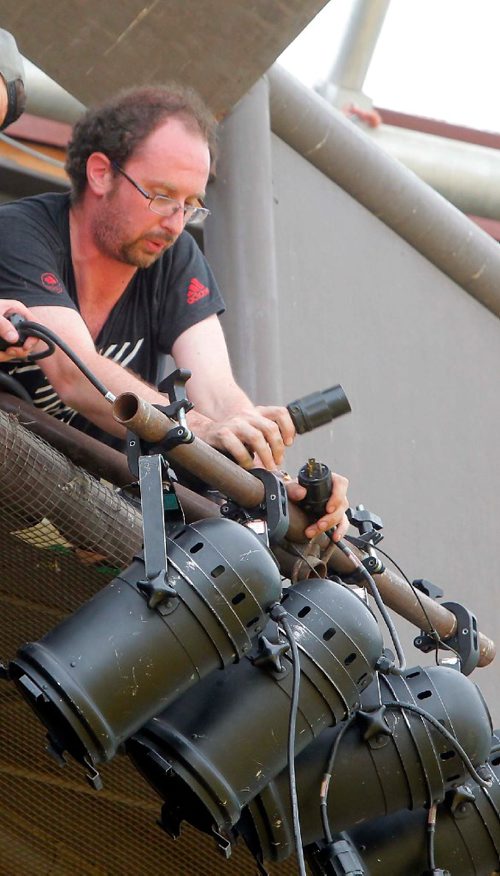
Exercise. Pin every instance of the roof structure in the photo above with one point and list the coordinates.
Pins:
(94, 48)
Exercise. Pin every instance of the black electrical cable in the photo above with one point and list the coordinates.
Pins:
(15, 387)
(431, 631)
(327, 775)
(410, 707)
(431, 835)
(279, 614)
(35, 330)
(380, 605)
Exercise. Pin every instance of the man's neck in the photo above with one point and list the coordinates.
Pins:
(99, 278)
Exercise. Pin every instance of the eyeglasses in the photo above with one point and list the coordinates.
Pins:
(165, 206)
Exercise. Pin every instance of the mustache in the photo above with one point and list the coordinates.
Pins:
(163, 238)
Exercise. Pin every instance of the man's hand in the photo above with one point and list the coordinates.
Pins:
(336, 507)
(9, 334)
(254, 437)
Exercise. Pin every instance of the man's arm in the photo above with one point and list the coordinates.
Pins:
(224, 416)
(74, 389)
(241, 426)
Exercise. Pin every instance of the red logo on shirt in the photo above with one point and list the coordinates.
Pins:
(196, 290)
(51, 282)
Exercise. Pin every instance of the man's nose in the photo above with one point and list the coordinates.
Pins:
(175, 222)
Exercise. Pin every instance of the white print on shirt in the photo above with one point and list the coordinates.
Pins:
(46, 397)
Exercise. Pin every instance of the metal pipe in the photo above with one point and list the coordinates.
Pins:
(198, 458)
(239, 243)
(396, 196)
(349, 69)
(466, 174)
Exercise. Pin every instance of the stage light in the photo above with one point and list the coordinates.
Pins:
(388, 759)
(108, 668)
(217, 746)
(467, 838)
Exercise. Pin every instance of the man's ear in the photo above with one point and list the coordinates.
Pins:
(99, 174)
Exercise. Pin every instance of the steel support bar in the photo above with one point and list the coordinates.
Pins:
(396, 196)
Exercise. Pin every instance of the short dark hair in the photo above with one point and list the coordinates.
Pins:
(118, 126)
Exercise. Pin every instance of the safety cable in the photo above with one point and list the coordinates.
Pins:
(380, 605)
(279, 614)
(410, 707)
(432, 632)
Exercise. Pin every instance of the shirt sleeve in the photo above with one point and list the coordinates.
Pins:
(31, 259)
(190, 293)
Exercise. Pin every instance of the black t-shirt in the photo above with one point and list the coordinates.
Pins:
(159, 303)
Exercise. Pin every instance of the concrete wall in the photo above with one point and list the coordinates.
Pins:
(418, 358)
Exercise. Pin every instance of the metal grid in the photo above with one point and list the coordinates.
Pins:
(53, 822)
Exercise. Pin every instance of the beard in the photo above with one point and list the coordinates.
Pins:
(109, 234)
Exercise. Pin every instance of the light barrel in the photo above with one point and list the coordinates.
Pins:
(467, 839)
(107, 669)
(412, 766)
(220, 744)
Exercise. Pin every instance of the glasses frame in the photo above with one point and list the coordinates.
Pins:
(193, 214)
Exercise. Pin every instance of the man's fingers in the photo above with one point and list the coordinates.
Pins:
(338, 497)
(282, 418)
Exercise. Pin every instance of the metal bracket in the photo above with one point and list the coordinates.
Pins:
(275, 504)
(274, 507)
(155, 586)
(92, 776)
(465, 641)
(223, 844)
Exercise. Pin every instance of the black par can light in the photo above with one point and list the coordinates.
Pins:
(466, 842)
(388, 759)
(215, 748)
(107, 669)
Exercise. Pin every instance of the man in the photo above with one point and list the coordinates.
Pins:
(113, 271)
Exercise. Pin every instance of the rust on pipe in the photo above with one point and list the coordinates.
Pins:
(199, 458)
(396, 593)
(97, 458)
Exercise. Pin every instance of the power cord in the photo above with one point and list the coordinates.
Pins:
(27, 328)
(431, 631)
(380, 605)
(280, 615)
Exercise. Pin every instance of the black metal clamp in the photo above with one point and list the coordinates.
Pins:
(274, 507)
(465, 642)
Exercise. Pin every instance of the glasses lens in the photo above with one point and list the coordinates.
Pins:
(163, 205)
(198, 216)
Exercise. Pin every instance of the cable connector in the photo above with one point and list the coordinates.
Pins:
(277, 612)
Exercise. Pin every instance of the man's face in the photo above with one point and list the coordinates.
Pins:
(172, 161)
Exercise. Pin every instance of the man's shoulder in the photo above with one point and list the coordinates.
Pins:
(48, 208)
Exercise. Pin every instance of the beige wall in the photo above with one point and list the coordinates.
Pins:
(419, 360)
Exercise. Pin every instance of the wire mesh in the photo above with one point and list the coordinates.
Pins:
(62, 536)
